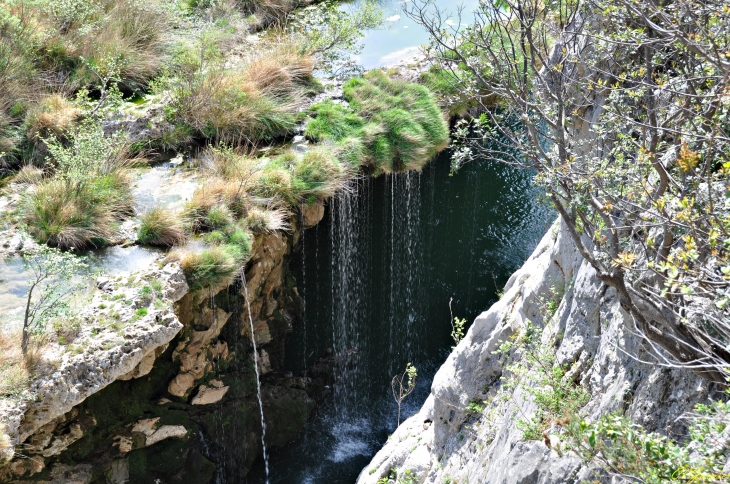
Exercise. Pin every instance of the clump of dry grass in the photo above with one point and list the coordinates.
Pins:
(64, 215)
(52, 116)
(28, 175)
(15, 368)
(161, 227)
(255, 101)
(260, 220)
(126, 36)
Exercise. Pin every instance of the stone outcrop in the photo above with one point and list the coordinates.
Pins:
(115, 341)
(446, 441)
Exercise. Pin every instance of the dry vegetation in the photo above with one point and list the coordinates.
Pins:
(255, 101)
(15, 368)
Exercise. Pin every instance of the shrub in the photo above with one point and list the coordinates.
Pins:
(211, 267)
(160, 227)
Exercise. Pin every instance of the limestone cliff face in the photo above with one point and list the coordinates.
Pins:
(445, 442)
(113, 343)
(171, 395)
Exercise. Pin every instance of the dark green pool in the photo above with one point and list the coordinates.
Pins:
(376, 276)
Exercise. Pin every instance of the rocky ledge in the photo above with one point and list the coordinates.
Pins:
(117, 337)
(449, 440)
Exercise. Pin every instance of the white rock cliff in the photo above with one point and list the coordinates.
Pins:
(445, 442)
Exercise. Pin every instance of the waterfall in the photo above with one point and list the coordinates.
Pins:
(258, 377)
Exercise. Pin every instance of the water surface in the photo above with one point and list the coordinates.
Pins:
(376, 276)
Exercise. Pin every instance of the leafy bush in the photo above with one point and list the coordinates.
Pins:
(89, 195)
(399, 124)
(557, 397)
(160, 227)
(627, 449)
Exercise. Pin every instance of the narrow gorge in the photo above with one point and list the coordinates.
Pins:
(229, 227)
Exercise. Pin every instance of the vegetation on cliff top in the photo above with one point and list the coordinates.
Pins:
(389, 125)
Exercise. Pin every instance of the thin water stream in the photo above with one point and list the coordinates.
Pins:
(258, 378)
(376, 276)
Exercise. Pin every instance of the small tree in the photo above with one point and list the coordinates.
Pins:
(403, 385)
(49, 287)
(621, 109)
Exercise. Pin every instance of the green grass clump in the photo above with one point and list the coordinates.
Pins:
(241, 239)
(62, 214)
(211, 267)
(390, 125)
(333, 121)
(160, 227)
(218, 217)
(319, 173)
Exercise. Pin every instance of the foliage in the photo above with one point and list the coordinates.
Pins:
(393, 477)
(390, 125)
(52, 281)
(626, 126)
(403, 385)
(457, 325)
(549, 386)
(331, 34)
(89, 195)
(445, 84)
(627, 449)
(160, 227)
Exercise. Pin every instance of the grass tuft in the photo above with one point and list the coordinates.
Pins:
(53, 116)
(390, 125)
(160, 227)
(214, 266)
(261, 220)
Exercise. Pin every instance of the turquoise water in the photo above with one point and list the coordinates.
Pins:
(401, 37)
